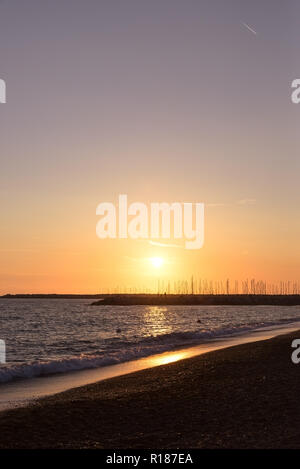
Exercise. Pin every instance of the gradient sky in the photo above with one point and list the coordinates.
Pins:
(163, 100)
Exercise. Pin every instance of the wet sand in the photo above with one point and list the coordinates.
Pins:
(246, 396)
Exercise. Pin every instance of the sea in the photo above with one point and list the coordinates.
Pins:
(49, 336)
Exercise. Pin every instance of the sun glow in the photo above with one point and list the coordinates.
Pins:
(157, 262)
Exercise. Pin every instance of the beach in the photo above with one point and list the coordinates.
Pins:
(244, 396)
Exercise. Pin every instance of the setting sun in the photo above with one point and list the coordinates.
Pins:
(157, 262)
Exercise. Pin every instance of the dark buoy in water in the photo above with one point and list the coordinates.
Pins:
(118, 331)
(199, 320)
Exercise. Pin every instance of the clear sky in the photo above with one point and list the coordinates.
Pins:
(163, 100)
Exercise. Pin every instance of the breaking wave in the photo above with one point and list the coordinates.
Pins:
(124, 351)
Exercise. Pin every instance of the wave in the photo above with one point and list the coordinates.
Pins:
(127, 351)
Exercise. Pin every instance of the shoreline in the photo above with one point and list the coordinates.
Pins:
(25, 391)
(243, 396)
(151, 299)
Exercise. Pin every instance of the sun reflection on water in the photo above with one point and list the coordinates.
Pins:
(156, 321)
(168, 357)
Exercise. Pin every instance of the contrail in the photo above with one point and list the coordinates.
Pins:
(249, 29)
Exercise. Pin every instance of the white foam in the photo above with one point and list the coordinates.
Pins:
(127, 352)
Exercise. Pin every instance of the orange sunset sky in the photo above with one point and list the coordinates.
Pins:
(163, 101)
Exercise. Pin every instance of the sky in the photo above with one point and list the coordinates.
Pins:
(162, 100)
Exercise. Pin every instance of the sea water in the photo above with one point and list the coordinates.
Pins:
(49, 336)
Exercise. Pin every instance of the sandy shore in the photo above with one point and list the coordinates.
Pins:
(245, 396)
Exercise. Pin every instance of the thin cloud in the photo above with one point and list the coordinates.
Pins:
(164, 245)
(19, 250)
(216, 205)
(246, 202)
(238, 202)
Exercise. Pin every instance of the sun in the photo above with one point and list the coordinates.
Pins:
(157, 262)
